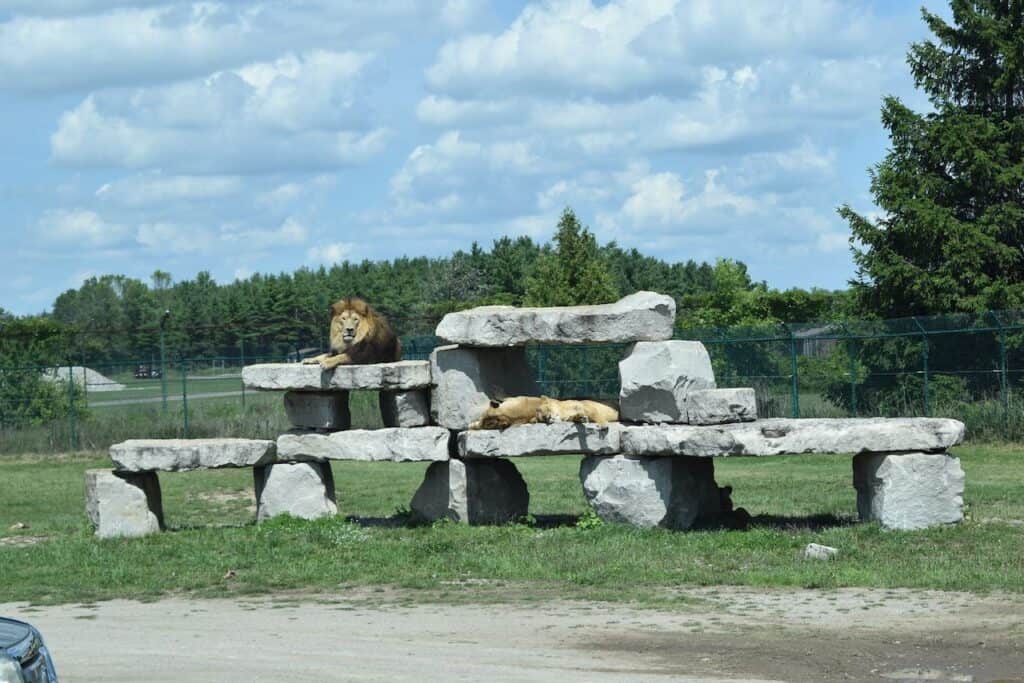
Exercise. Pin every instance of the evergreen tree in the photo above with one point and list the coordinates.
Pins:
(951, 188)
(573, 272)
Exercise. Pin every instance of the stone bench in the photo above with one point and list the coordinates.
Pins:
(290, 476)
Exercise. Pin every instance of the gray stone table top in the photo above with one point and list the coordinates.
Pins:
(398, 376)
(179, 455)
(394, 444)
(540, 439)
(643, 316)
(792, 436)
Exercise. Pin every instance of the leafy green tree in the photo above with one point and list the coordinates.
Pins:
(951, 188)
(572, 273)
(30, 348)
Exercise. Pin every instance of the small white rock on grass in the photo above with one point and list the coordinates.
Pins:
(815, 551)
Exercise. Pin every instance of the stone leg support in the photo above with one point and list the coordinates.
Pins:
(472, 492)
(304, 489)
(674, 492)
(318, 409)
(405, 408)
(466, 379)
(909, 491)
(123, 503)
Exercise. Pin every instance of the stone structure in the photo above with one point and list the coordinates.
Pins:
(643, 316)
(655, 468)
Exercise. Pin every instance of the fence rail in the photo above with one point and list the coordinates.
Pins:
(968, 367)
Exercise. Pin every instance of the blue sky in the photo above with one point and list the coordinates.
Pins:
(243, 137)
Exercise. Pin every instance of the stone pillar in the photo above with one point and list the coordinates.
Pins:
(657, 376)
(909, 491)
(673, 492)
(472, 492)
(466, 379)
(303, 489)
(123, 503)
(405, 408)
(327, 410)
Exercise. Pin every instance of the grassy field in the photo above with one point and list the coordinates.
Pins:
(560, 551)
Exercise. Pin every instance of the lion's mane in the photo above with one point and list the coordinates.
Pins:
(374, 342)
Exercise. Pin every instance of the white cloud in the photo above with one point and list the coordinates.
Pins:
(156, 188)
(330, 253)
(80, 227)
(281, 196)
(290, 233)
(174, 238)
(296, 112)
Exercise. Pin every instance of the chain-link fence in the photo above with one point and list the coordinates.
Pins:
(961, 366)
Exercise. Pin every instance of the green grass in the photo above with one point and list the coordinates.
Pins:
(795, 500)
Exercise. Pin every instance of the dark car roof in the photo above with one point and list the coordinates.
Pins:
(13, 632)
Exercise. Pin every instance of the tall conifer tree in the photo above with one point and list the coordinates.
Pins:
(951, 188)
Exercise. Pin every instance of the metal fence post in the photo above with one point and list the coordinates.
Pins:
(241, 360)
(184, 397)
(794, 390)
(924, 364)
(163, 364)
(72, 410)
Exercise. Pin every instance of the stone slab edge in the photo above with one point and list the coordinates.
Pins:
(399, 376)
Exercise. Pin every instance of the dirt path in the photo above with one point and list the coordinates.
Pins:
(719, 634)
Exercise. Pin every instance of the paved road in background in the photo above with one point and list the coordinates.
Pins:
(158, 399)
(715, 634)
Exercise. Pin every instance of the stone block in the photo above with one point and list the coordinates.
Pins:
(303, 489)
(394, 444)
(910, 490)
(783, 436)
(657, 376)
(179, 455)
(720, 406)
(555, 438)
(465, 381)
(472, 492)
(398, 376)
(405, 408)
(318, 409)
(123, 503)
(675, 493)
(643, 316)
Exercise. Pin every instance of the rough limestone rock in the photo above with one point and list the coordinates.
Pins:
(405, 408)
(657, 376)
(909, 491)
(179, 455)
(398, 376)
(472, 492)
(816, 551)
(555, 438)
(781, 436)
(388, 444)
(720, 406)
(465, 381)
(123, 504)
(302, 489)
(643, 316)
(318, 409)
(675, 493)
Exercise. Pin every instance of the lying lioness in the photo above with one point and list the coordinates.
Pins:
(359, 335)
(519, 410)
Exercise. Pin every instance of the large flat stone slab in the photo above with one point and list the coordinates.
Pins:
(656, 377)
(472, 492)
(180, 455)
(556, 438)
(398, 376)
(909, 491)
(643, 316)
(123, 504)
(395, 444)
(782, 436)
(466, 379)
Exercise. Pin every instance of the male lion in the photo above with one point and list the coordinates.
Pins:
(519, 410)
(359, 335)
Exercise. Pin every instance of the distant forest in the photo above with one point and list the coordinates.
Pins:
(115, 317)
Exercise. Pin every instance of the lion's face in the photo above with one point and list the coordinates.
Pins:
(347, 329)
